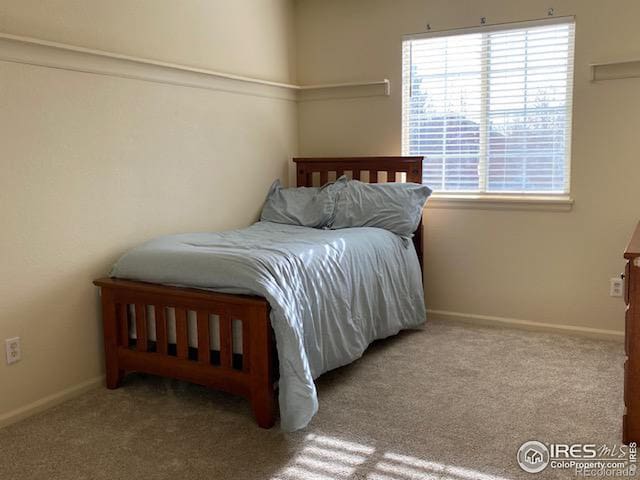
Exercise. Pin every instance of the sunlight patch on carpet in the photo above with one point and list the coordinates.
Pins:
(328, 458)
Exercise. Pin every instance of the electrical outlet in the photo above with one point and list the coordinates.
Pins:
(13, 350)
(616, 287)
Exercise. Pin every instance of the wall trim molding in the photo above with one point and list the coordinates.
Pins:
(63, 56)
(335, 91)
(615, 70)
(490, 320)
(45, 403)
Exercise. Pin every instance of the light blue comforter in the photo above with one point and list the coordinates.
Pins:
(332, 292)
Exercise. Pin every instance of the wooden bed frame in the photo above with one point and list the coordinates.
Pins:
(251, 374)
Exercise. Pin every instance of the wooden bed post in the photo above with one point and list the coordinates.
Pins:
(113, 372)
(261, 355)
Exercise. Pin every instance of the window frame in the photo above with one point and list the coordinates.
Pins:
(557, 201)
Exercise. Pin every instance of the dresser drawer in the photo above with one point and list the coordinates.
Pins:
(627, 329)
(627, 381)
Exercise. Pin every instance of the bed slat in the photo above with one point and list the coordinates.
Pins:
(161, 329)
(141, 327)
(355, 174)
(323, 177)
(203, 337)
(182, 335)
(246, 345)
(123, 324)
(391, 176)
(373, 176)
(225, 340)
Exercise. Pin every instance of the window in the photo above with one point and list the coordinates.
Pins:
(490, 108)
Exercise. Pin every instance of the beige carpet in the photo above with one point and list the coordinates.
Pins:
(450, 402)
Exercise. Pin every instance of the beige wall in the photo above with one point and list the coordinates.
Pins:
(245, 37)
(546, 267)
(92, 165)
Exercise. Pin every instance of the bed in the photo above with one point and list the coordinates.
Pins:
(225, 339)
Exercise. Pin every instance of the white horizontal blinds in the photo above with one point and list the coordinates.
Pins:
(443, 111)
(530, 78)
(491, 110)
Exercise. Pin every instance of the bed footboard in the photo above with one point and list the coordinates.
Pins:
(159, 319)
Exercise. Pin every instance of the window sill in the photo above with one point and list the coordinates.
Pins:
(559, 203)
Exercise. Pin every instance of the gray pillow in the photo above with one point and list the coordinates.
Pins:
(305, 206)
(394, 206)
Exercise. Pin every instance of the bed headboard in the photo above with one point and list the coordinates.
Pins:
(318, 171)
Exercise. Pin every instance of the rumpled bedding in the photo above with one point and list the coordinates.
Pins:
(331, 292)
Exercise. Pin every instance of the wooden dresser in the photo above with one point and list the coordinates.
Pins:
(631, 419)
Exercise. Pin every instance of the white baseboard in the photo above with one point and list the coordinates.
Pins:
(49, 401)
(526, 324)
